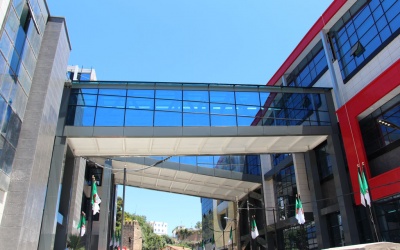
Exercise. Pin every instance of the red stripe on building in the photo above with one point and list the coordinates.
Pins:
(351, 133)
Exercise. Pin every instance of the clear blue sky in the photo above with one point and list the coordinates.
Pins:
(213, 41)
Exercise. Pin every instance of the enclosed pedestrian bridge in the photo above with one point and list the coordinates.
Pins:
(212, 134)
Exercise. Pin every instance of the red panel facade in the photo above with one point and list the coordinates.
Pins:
(352, 139)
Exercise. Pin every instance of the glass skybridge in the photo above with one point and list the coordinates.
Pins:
(212, 134)
(105, 103)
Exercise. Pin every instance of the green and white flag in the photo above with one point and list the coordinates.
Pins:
(203, 245)
(213, 242)
(95, 197)
(82, 224)
(364, 193)
(254, 230)
(230, 237)
(299, 211)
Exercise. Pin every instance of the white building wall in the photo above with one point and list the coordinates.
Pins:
(160, 228)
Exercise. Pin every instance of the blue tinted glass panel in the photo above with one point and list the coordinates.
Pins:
(248, 98)
(189, 160)
(169, 94)
(222, 97)
(80, 116)
(264, 97)
(83, 99)
(6, 120)
(195, 107)
(138, 118)
(245, 121)
(247, 110)
(167, 119)
(168, 105)
(201, 96)
(196, 119)
(117, 92)
(109, 117)
(7, 158)
(85, 91)
(149, 93)
(140, 103)
(225, 109)
(218, 120)
(111, 101)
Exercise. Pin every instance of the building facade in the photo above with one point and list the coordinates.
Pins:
(33, 57)
(159, 227)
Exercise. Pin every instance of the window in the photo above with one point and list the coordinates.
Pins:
(286, 190)
(323, 162)
(361, 33)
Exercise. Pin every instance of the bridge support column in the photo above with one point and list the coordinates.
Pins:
(301, 181)
(75, 207)
(105, 212)
(269, 201)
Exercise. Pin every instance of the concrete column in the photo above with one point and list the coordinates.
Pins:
(342, 189)
(78, 181)
(23, 210)
(315, 195)
(268, 189)
(51, 208)
(104, 219)
(301, 181)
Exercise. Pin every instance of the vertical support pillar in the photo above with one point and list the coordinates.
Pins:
(301, 181)
(75, 208)
(342, 187)
(51, 207)
(106, 198)
(269, 201)
(316, 196)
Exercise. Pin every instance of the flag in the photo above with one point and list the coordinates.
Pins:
(361, 184)
(204, 246)
(299, 211)
(362, 181)
(116, 240)
(254, 230)
(112, 241)
(365, 183)
(82, 224)
(95, 197)
(230, 237)
(213, 242)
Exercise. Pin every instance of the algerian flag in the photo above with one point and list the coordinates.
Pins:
(112, 241)
(299, 211)
(116, 240)
(230, 237)
(204, 246)
(365, 184)
(254, 230)
(82, 224)
(362, 189)
(95, 197)
(213, 242)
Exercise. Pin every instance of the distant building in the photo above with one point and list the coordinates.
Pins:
(160, 228)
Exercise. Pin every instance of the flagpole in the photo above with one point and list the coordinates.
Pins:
(371, 216)
(89, 235)
(248, 220)
(123, 210)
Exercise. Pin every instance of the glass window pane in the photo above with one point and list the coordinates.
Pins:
(167, 119)
(109, 117)
(83, 99)
(7, 158)
(219, 120)
(80, 116)
(195, 107)
(193, 95)
(169, 94)
(118, 92)
(149, 93)
(248, 98)
(245, 121)
(111, 101)
(222, 97)
(138, 118)
(13, 130)
(196, 120)
(247, 110)
(225, 109)
(170, 105)
(140, 103)
(85, 91)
